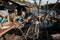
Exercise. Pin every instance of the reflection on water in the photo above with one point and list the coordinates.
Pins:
(43, 12)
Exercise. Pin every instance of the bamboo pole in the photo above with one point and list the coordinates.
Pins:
(39, 9)
(39, 12)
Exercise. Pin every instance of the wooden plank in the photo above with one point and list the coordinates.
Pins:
(56, 36)
(3, 31)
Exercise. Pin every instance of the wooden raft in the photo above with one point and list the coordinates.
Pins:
(3, 31)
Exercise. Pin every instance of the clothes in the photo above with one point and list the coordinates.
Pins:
(4, 12)
(48, 24)
(1, 19)
(23, 17)
(4, 21)
(23, 14)
(20, 19)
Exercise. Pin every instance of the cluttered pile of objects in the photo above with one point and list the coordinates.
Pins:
(16, 16)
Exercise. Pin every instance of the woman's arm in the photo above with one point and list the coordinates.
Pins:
(8, 17)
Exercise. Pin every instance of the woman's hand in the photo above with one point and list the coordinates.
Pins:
(25, 20)
(7, 23)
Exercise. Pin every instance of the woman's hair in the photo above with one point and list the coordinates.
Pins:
(1, 16)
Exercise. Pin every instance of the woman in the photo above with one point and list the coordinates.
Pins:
(6, 21)
(17, 19)
(1, 18)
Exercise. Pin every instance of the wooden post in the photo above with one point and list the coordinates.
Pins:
(47, 7)
(39, 12)
(39, 9)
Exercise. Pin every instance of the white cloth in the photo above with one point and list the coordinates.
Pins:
(4, 12)
(5, 27)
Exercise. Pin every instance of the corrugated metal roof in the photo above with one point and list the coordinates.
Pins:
(18, 2)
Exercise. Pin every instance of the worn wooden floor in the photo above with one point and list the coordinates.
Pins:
(11, 37)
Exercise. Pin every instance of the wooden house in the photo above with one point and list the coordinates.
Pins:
(11, 6)
(55, 7)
